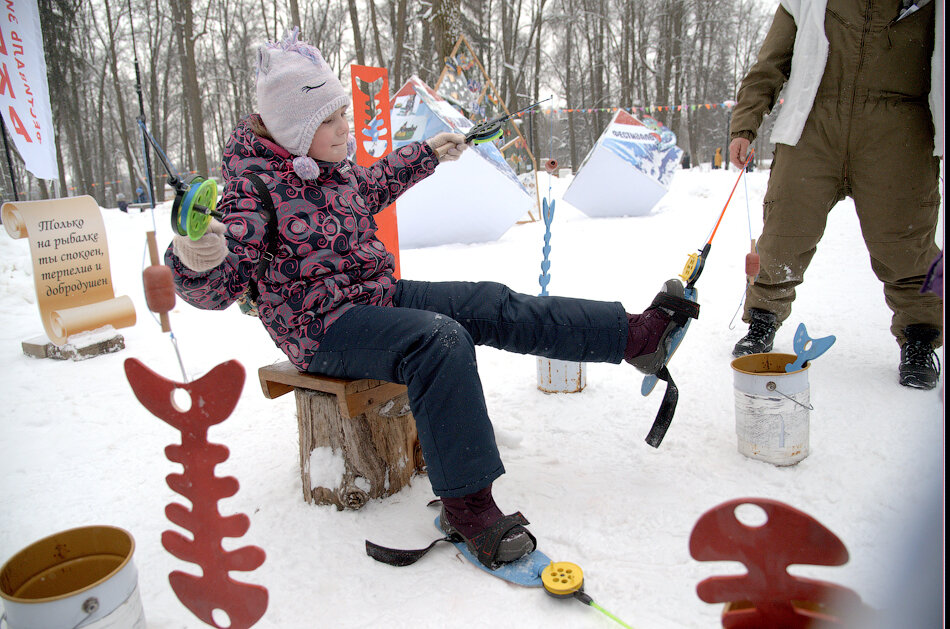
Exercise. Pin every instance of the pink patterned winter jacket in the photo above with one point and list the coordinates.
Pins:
(328, 256)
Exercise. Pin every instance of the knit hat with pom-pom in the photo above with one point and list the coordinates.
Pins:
(296, 91)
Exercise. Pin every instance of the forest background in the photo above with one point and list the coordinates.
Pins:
(679, 60)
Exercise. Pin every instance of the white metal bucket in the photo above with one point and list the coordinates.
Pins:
(83, 577)
(561, 376)
(772, 408)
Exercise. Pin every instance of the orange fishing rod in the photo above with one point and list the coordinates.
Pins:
(696, 261)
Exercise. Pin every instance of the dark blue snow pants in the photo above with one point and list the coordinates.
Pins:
(427, 342)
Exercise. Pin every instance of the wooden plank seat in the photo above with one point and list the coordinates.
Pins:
(365, 425)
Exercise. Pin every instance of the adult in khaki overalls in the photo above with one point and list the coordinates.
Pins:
(855, 122)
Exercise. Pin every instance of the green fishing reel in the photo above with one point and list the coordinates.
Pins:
(490, 130)
(194, 207)
(484, 132)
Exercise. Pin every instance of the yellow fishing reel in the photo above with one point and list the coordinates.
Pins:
(690, 267)
(694, 266)
(194, 207)
(562, 579)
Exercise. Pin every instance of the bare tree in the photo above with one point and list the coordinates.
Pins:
(446, 28)
(62, 34)
(184, 28)
(399, 45)
(594, 55)
(568, 82)
(294, 14)
(357, 38)
(122, 117)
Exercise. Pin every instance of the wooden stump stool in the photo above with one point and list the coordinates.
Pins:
(366, 422)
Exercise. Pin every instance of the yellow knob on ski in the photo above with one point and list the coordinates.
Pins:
(562, 578)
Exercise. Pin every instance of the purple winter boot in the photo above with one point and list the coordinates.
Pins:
(494, 538)
(650, 335)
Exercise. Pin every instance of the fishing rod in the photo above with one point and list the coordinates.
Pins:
(195, 199)
(696, 261)
(691, 272)
(192, 211)
(491, 129)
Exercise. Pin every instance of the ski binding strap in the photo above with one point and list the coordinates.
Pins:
(664, 416)
(684, 311)
(485, 544)
(398, 557)
(683, 308)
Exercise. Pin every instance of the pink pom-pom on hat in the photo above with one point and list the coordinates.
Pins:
(306, 168)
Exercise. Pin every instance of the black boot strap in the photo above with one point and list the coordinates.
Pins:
(664, 416)
(681, 307)
(485, 545)
(398, 557)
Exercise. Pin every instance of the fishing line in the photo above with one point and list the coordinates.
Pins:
(563, 579)
(492, 129)
(587, 600)
(150, 245)
(696, 261)
(752, 261)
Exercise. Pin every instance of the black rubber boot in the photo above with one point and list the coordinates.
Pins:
(920, 367)
(761, 335)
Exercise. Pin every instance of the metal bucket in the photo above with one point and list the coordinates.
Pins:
(83, 577)
(772, 408)
(561, 376)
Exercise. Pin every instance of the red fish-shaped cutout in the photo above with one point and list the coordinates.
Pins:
(213, 398)
(777, 598)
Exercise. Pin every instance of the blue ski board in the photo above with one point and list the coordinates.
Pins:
(525, 571)
(649, 382)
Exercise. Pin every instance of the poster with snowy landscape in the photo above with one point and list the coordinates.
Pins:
(441, 209)
(422, 113)
(629, 169)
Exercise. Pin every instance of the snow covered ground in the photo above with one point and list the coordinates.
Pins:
(76, 448)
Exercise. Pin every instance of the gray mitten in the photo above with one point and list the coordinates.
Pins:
(447, 147)
(203, 254)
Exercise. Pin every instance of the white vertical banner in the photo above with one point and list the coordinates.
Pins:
(24, 93)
